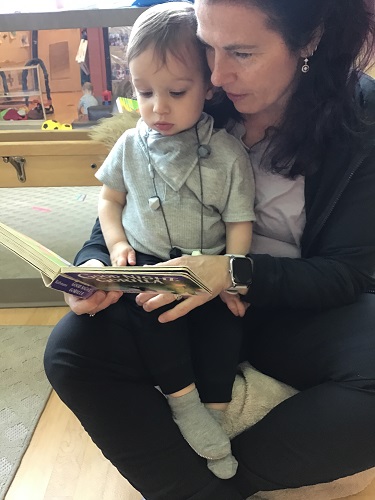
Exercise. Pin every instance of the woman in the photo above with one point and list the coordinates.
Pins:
(294, 94)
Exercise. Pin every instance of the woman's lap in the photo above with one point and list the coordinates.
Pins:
(95, 368)
(320, 434)
(305, 348)
(326, 431)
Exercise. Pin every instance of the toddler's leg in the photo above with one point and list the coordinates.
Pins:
(216, 336)
(199, 428)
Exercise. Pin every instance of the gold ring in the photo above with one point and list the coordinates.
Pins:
(178, 297)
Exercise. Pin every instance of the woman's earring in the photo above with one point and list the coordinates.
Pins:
(305, 68)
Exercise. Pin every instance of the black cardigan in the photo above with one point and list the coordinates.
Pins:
(337, 261)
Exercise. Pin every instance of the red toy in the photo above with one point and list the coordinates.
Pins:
(107, 97)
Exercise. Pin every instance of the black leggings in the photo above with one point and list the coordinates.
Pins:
(324, 432)
(202, 347)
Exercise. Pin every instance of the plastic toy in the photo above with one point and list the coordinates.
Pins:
(55, 125)
(106, 97)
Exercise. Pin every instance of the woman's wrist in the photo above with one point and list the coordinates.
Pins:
(228, 279)
(240, 268)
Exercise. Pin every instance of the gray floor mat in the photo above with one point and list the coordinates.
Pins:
(60, 218)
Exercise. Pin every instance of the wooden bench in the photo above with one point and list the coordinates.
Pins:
(37, 158)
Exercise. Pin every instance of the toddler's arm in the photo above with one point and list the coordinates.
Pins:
(111, 204)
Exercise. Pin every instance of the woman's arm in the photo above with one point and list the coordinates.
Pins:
(212, 269)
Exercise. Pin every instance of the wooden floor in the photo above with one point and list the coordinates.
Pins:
(62, 463)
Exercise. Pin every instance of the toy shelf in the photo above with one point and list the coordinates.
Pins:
(89, 18)
(18, 98)
(20, 93)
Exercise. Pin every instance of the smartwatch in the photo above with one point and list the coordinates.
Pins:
(241, 273)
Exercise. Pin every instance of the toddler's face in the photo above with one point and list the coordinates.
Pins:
(170, 96)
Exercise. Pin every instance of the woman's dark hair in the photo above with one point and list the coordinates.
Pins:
(323, 105)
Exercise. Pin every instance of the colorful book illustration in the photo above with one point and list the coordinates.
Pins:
(126, 105)
(59, 274)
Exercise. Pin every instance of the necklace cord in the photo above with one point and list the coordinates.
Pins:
(201, 183)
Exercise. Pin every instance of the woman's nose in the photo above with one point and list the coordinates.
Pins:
(221, 73)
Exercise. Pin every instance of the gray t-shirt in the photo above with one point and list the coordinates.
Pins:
(227, 185)
(86, 101)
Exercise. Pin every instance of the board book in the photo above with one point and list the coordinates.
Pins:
(61, 275)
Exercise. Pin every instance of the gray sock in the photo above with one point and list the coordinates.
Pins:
(198, 427)
(218, 415)
(226, 467)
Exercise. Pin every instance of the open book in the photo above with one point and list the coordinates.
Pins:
(59, 274)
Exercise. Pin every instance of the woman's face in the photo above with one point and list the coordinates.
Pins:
(247, 59)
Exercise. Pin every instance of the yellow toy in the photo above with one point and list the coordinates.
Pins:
(55, 125)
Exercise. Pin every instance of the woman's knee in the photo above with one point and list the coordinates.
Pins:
(62, 348)
(350, 345)
(309, 348)
(90, 350)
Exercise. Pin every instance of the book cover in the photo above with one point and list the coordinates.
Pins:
(58, 274)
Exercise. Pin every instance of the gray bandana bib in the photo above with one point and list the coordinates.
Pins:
(175, 157)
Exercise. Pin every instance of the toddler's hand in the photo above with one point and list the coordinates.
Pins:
(122, 254)
(234, 303)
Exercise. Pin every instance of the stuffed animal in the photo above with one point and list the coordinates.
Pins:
(13, 114)
(108, 130)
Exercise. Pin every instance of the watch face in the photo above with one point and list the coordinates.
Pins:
(242, 270)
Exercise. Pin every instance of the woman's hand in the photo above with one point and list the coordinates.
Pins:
(213, 270)
(97, 302)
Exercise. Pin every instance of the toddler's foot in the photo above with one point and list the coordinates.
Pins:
(216, 414)
(198, 427)
(226, 467)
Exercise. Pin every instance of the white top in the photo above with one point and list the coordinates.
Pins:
(279, 207)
